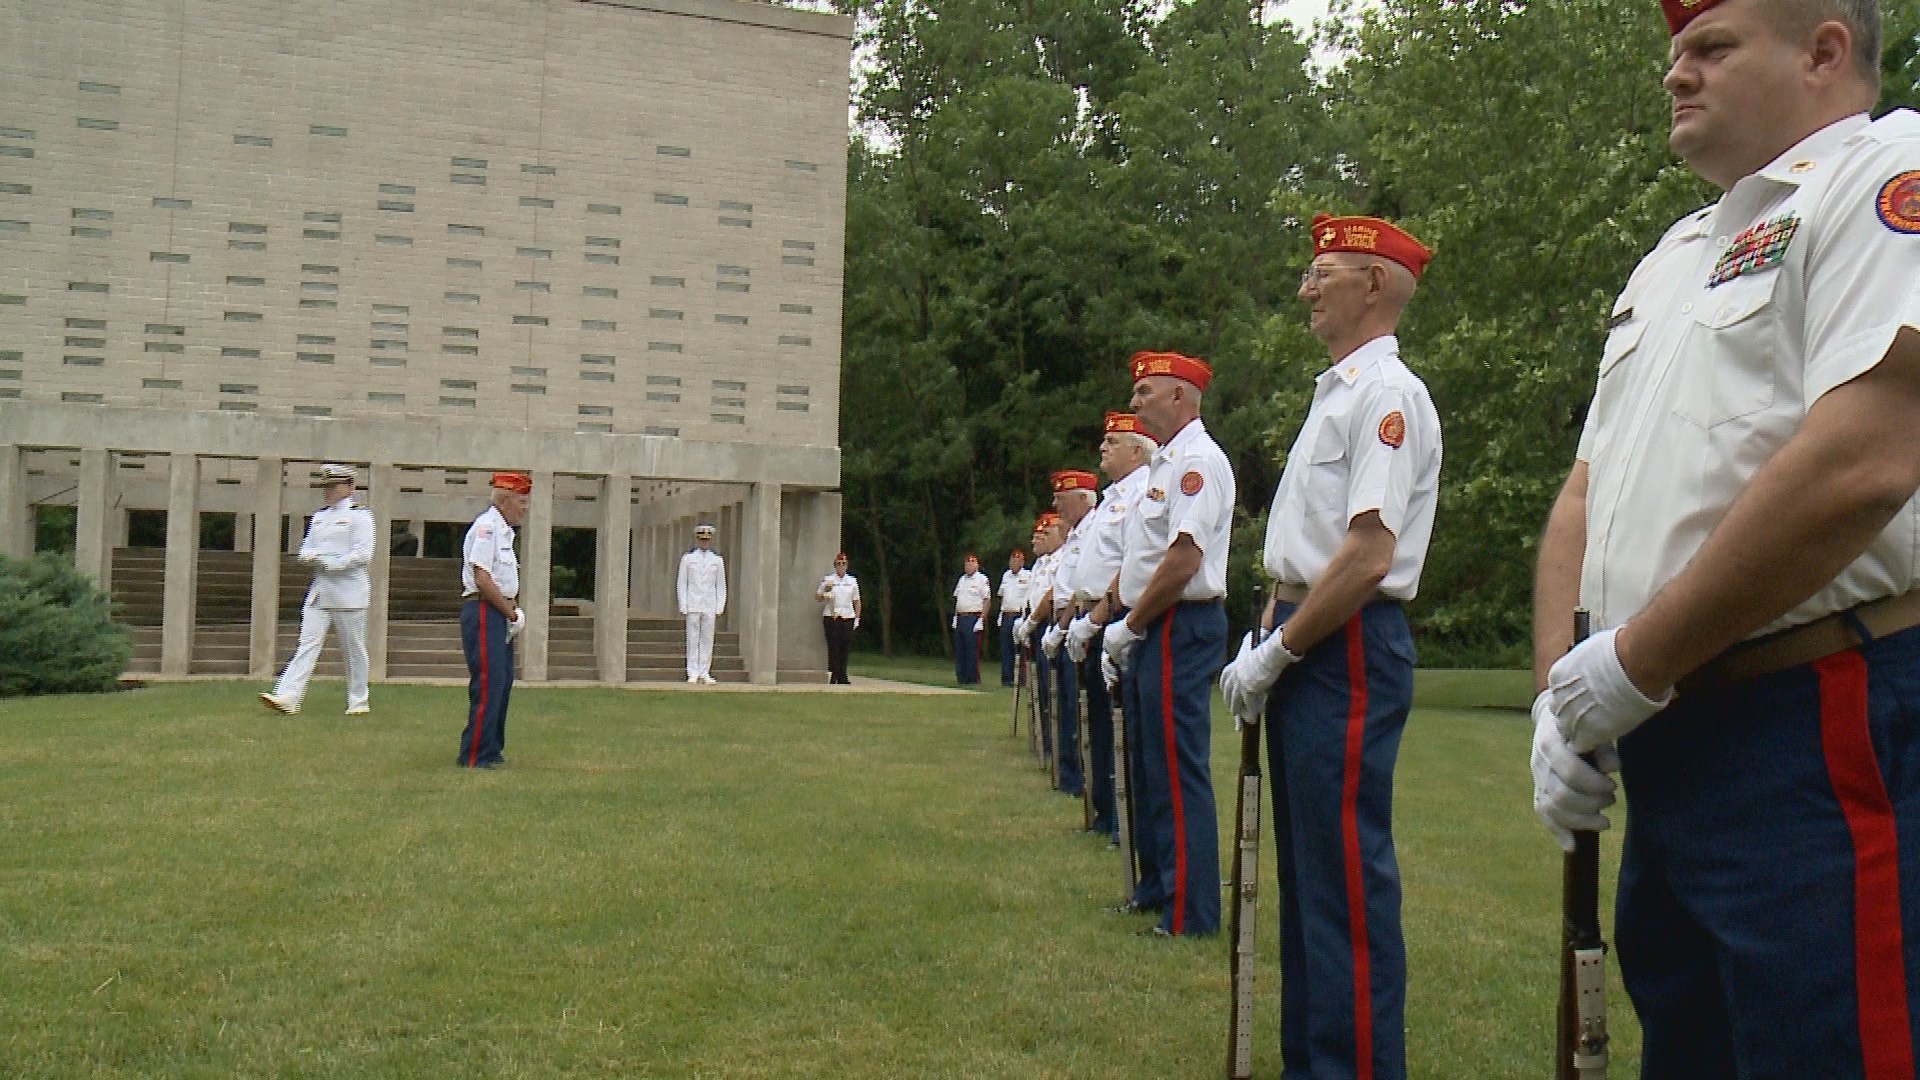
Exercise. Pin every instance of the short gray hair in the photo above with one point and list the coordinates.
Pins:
(1794, 18)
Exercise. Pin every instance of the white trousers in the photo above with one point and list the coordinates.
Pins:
(699, 645)
(314, 620)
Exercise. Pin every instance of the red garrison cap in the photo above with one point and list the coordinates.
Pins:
(518, 482)
(1046, 520)
(1126, 423)
(1369, 236)
(1682, 12)
(1191, 369)
(1075, 480)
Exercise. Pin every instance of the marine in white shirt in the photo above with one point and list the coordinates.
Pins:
(1172, 581)
(701, 589)
(839, 594)
(1074, 493)
(339, 547)
(1013, 604)
(972, 598)
(1740, 521)
(490, 618)
(1346, 538)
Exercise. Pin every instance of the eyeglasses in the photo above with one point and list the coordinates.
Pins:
(1317, 275)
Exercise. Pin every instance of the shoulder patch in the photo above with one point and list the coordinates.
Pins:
(1899, 203)
(1191, 483)
(1393, 429)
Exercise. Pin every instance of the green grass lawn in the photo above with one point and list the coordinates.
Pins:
(673, 884)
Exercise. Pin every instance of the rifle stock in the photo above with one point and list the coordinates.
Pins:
(1244, 915)
(1580, 1045)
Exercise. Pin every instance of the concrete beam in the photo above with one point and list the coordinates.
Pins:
(536, 579)
(183, 551)
(263, 643)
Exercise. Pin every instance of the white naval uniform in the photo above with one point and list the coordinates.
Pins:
(339, 543)
(1189, 490)
(702, 592)
(1700, 383)
(1371, 441)
(1105, 545)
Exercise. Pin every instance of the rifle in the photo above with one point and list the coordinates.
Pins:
(1019, 684)
(1580, 1047)
(1122, 794)
(1244, 917)
(1081, 739)
(1033, 705)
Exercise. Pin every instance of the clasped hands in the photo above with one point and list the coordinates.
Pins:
(1589, 702)
(1244, 682)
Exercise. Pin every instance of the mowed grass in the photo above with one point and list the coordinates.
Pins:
(674, 884)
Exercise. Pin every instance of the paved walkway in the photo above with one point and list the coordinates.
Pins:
(860, 685)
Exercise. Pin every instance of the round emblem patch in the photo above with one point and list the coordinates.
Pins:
(1191, 483)
(1899, 203)
(1393, 429)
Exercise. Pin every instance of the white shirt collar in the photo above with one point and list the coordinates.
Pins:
(1350, 367)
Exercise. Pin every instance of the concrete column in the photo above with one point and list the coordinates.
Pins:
(263, 642)
(243, 532)
(809, 538)
(640, 556)
(383, 493)
(536, 579)
(92, 550)
(16, 517)
(183, 552)
(728, 541)
(611, 587)
(119, 525)
(760, 578)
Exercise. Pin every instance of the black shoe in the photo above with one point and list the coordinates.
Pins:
(1131, 908)
(1156, 930)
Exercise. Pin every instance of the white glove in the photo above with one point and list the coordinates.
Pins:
(856, 622)
(1020, 628)
(1246, 704)
(1592, 697)
(1050, 641)
(1568, 793)
(517, 623)
(1080, 633)
(1119, 643)
(954, 623)
(1109, 672)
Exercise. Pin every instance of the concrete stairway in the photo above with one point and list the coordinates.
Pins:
(423, 630)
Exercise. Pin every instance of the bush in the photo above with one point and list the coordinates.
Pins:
(56, 631)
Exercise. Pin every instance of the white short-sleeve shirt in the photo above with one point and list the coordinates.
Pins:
(971, 593)
(489, 545)
(1743, 316)
(1040, 582)
(1066, 562)
(1106, 541)
(1013, 590)
(1371, 441)
(1189, 490)
(843, 591)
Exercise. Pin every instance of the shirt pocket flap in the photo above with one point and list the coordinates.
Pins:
(1621, 342)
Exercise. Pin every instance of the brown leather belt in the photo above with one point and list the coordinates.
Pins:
(1297, 594)
(1804, 644)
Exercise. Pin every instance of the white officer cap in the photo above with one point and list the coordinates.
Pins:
(703, 530)
(337, 474)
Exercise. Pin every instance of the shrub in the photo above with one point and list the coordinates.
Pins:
(56, 631)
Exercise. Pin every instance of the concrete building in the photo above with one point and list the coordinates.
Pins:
(600, 240)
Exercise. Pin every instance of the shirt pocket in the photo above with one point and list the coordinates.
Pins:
(1622, 341)
(1727, 366)
(1328, 467)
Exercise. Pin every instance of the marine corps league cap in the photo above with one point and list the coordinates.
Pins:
(519, 483)
(1075, 480)
(1188, 368)
(1682, 12)
(1369, 236)
(1125, 423)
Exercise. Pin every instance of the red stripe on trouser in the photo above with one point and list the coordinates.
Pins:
(480, 708)
(1173, 776)
(1350, 837)
(1886, 1039)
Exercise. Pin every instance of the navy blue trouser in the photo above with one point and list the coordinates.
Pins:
(1042, 671)
(1174, 665)
(1099, 739)
(1007, 652)
(1333, 734)
(1066, 716)
(1149, 892)
(966, 649)
(483, 637)
(1768, 915)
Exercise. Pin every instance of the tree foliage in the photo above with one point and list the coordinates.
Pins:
(1041, 187)
(56, 634)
